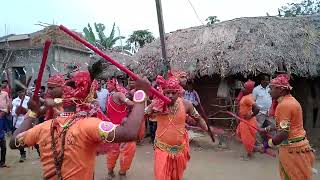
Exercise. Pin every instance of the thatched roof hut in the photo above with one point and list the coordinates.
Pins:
(244, 46)
(106, 70)
(56, 36)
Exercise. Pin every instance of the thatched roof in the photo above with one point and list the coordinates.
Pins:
(245, 46)
(56, 36)
(105, 70)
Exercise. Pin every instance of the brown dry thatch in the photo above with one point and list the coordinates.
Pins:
(56, 36)
(245, 46)
(104, 70)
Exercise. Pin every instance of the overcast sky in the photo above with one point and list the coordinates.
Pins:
(19, 16)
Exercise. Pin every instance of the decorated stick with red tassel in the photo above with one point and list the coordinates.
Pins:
(107, 58)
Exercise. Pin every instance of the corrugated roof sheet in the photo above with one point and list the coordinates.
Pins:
(14, 37)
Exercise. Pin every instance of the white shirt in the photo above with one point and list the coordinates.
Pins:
(262, 98)
(102, 96)
(17, 120)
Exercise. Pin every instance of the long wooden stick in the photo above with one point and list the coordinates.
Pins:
(205, 117)
(267, 151)
(240, 119)
(41, 70)
(107, 58)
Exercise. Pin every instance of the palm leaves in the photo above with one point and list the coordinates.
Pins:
(212, 20)
(98, 38)
(89, 35)
(103, 42)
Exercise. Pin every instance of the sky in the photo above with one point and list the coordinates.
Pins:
(20, 16)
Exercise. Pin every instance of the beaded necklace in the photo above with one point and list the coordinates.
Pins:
(59, 157)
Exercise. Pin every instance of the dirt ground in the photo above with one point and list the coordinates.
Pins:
(207, 162)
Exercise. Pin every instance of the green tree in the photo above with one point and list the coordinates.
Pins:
(103, 42)
(89, 34)
(212, 20)
(138, 39)
(305, 7)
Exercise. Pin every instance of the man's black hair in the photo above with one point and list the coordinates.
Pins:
(18, 89)
(71, 84)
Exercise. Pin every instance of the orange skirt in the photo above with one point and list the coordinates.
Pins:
(247, 134)
(169, 166)
(296, 161)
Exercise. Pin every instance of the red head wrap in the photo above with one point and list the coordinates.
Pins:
(114, 85)
(249, 85)
(177, 74)
(81, 90)
(281, 81)
(170, 84)
(56, 80)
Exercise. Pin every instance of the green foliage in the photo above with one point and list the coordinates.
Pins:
(89, 35)
(103, 42)
(212, 20)
(138, 39)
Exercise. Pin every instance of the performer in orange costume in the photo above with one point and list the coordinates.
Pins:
(53, 102)
(68, 143)
(295, 154)
(117, 111)
(171, 144)
(247, 111)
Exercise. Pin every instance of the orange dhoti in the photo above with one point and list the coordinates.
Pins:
(126, 152)
(247, 134)
(169, 165)
(296, 161)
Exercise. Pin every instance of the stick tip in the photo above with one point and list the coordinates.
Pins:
(61, 27)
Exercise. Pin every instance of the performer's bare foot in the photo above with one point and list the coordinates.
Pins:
(22, 158)
(123, 175)
(244, 158)
(247, 157)
(111, 175)
(3, 165)
(140, 142)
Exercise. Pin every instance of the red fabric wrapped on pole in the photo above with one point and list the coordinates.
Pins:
(41, 70)
(107, 58)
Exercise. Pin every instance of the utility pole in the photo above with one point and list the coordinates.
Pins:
(120, 38)
(166, 63)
